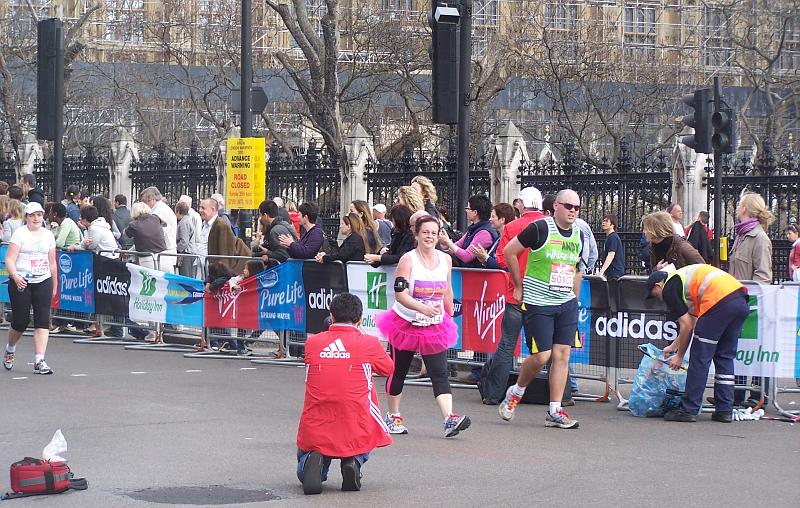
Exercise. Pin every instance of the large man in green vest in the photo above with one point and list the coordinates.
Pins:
(549, 293)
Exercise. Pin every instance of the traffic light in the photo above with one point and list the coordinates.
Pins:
(444, 22)
(724, 138)
(50, 40)
(700, 120)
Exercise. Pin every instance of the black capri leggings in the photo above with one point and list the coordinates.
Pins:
(435, 364)
(37, 295)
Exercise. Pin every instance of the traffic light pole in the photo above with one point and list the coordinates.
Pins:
(245, 221)
(717, 182)
(464, 75)
(58, 118)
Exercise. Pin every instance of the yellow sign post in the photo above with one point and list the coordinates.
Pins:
(246, 171)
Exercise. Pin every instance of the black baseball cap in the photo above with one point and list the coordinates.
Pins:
(655, 278)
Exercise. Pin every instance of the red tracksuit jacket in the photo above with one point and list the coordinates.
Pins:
(341, 416)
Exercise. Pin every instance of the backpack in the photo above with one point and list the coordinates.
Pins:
(537, 392)
(33, 477)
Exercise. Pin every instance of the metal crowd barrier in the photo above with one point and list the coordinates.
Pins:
(165, 262)
(776, 389)
(632, 300)
(610, 361)
(222, 335)
(102, 321)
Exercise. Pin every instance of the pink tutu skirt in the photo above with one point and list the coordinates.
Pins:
(427, 340)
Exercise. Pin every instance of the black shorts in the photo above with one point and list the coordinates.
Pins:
(546, 325)
(36, 295)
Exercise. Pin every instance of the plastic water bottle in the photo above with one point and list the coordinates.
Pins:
(26, 277)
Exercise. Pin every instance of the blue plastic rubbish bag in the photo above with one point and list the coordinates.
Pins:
(649, 396)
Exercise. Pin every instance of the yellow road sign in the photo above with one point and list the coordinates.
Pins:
(246, 171)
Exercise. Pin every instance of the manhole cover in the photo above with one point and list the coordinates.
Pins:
(214, 494)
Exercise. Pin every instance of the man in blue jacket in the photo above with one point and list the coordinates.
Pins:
(311, 241)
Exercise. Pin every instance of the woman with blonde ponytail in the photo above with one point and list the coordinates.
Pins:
(751, 259)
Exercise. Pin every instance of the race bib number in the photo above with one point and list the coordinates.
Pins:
(40, 266)
(423, 320)
(562, 277)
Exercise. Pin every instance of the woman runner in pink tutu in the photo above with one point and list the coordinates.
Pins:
(421, 320)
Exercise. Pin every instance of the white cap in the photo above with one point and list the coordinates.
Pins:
(278, 201)
(379, 207)
(531, 197)
(33, 207)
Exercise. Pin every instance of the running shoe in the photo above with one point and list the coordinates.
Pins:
(41, 367)
(8, 360)
(508, 405)
(560, 419)
(455, 424)
(395, 424)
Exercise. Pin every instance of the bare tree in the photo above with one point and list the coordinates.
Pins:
(765, 36)
(18, 60)
(600, 91)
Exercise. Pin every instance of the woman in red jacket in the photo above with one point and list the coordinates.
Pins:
(339, 367)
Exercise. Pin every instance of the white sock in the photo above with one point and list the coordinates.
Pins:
(518, 390)
(11, 349)
(37, 359)
(555, 407)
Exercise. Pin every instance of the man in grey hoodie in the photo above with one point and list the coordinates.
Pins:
(273, 227)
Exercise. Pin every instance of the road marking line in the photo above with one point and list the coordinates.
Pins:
(78, 375)
(248, 368)
(16, 378)
(194, 370)
(138, 372)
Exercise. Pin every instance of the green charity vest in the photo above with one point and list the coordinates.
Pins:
(550, 273)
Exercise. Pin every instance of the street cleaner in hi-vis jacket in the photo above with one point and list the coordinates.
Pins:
(710, 306)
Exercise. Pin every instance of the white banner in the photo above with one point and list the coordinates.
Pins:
(148, 294)
(373, 286)
(768, 342)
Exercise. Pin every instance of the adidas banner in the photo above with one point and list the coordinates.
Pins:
(111, 282)
(321, 282)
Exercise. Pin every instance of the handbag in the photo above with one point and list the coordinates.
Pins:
(34, 477)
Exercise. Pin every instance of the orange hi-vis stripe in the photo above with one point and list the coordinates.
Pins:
(704, 286)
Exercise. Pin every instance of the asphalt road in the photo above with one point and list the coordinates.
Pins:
(158, 429)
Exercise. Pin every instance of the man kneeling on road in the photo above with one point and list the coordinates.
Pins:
(341, 416)
(711, 306)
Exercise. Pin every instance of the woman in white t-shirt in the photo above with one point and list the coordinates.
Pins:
(32, 272)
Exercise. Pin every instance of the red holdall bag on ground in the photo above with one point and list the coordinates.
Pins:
(33, 477)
